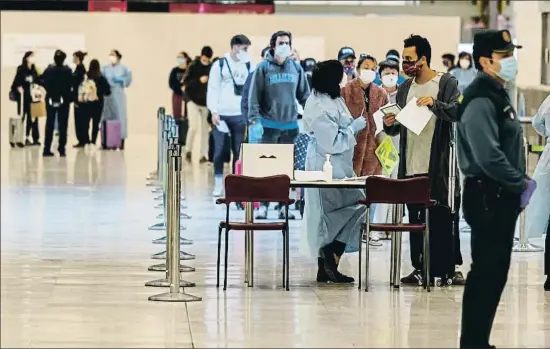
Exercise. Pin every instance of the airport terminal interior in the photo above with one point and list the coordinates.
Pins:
(76, 242)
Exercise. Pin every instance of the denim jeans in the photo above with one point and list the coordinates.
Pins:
(236, 126)
(276, 136)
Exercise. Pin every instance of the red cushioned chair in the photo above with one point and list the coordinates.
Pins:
(380, 190)
(252, 189)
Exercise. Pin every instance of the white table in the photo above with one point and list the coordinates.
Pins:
(336, 184)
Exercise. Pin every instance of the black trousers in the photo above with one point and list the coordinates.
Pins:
(276, 136)
(91, 112)
(417, 215)
(81, 122)
(62, 115)
(31, 125)
(492, 213)
(547, 250)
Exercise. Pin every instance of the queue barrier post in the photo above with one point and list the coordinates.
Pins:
(173, 277)
(172, 140)
(154, 176)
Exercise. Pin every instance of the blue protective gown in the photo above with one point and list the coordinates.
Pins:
(330, 214)
(538, 211)
(119, 77)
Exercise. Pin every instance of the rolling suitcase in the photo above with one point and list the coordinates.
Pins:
(16, 132)
(111, 134)
(443, 227)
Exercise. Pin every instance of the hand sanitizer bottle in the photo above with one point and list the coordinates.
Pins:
(327, 168)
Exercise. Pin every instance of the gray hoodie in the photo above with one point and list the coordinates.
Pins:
(274, 90)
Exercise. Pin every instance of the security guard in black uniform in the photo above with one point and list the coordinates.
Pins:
(491, 157)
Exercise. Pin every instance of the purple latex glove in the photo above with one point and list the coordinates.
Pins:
(527, 193)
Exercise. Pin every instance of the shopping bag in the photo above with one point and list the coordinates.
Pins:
(38, 93)
(38, 109)
(387, 155)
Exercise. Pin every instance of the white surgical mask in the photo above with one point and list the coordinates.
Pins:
(112, 59)
(464, 63)
(243, 56)
(389, 80)
(367, 76)
(283, 51)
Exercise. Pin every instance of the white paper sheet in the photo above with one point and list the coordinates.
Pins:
(309, 176)
(222, 127)
(378, 122)
(413, 117)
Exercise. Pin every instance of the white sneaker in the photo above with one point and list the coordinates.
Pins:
(261, 213)
(218, 187)
(375, 240)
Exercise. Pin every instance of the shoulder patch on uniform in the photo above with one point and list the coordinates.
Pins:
(460, 98)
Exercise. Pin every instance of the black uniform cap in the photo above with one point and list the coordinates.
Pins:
(488, 41)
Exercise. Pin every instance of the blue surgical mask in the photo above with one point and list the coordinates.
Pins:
(508, 69)
(283, 51)
(181, 61)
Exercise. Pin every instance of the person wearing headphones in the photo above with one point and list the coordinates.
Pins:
(277, 83)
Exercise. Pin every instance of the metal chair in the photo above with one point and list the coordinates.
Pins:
(380, 190)
(253, 189)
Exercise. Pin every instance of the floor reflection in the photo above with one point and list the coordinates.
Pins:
(76, 246)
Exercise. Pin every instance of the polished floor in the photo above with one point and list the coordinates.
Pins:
(75, 248)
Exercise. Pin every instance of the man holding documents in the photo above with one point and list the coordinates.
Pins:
(428, 100)
(496, 189)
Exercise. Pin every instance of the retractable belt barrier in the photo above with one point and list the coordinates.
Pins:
(169, 181)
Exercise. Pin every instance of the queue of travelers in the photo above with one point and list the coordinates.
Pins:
(337, 97)
(96, 93)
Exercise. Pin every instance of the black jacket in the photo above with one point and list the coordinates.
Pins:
(445, 109)
(79, 75)
(175, 80)
(194, 88)
(58, 82)
(24, 77)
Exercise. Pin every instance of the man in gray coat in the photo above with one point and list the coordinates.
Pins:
(439, 92)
